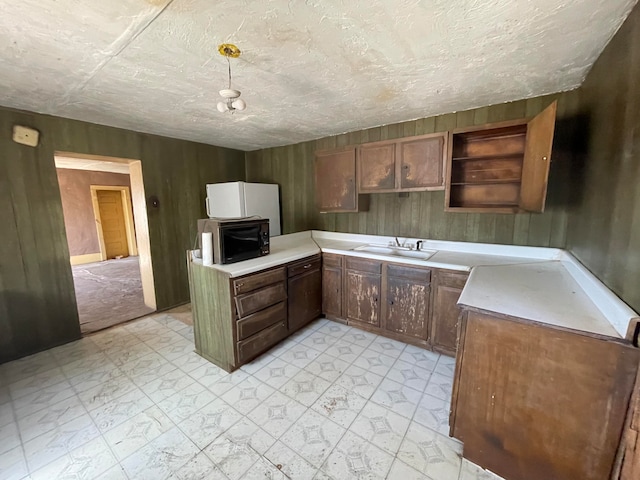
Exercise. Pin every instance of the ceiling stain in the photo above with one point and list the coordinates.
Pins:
(385, 95)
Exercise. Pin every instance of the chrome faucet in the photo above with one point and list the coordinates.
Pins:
(419, 244)
(398, 242)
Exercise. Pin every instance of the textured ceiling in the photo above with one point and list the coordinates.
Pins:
(309, 68)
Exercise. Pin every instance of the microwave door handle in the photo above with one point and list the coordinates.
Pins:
(208, 209)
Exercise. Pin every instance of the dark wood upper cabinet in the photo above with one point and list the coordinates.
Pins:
(500, 168)
(402, 165)
(422, 161)
(335, 181)
(377, 167)
(537, 160)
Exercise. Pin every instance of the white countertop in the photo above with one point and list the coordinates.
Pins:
(283, 249)
(546, 285)
(541, 291)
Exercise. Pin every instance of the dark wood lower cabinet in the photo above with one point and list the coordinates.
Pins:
(448, 286)
(304, 293)
(534, 402)
(393, 299)
(406, 307)
(628, 461)
(363, 290)
(332, 279)
(237, 319)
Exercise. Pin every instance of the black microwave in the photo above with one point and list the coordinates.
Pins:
(236, 239)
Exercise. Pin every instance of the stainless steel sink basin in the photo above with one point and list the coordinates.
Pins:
(396, 251)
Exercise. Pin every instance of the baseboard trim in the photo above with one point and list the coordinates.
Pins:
(88, 258)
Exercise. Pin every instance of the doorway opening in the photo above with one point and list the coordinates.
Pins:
(105, 216)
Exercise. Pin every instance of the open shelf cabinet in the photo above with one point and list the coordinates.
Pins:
(500, 168)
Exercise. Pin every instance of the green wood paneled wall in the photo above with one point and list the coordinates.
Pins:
(604, 218)
(37, 302)
(422, 214)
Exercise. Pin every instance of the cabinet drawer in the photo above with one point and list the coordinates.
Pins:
(331, 260)
(257, 280)
(452, 279)
(257, 300)
(306, 265)
(416, 274)
(261, 320)
(261, 341)
(363, 265)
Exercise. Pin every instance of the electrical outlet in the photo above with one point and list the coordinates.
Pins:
(25, 135)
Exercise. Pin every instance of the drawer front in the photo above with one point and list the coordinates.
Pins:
(331, 260)
(257, 300)
(363, 265)
(452, 279)
(258, 343)
(257, 280)
(306, 265)
(410, 273)
(261, 320)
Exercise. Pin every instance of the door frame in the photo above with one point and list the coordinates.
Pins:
(141, 220)
(127, 210)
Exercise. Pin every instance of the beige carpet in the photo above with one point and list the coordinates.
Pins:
(108, 293)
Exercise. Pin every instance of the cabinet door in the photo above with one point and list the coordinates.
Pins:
(422, 163)
(407, 309)
(304, 298)
(363, 297)
(537, 159)
(332, 292)
(377, 168)
(336, 181)
(445, 313)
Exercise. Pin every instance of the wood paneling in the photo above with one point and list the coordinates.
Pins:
(37, 302)
(215, 337)
(604, 218)
(421, 214)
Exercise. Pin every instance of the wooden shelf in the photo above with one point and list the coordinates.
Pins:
(500, 168)
(518, 155)
(486, 182)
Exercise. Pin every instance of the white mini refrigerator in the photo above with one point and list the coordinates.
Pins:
(241, 199)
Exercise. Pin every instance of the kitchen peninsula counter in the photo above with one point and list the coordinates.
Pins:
(545, 285)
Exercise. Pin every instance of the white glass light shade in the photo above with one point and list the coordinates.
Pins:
(239, 104)
(222, 107)
(229, 93)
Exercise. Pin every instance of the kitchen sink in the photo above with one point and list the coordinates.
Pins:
(396, 251)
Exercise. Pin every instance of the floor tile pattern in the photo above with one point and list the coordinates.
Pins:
(135, 402)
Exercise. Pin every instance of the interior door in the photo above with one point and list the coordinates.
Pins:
(112, 221)
(537, 159)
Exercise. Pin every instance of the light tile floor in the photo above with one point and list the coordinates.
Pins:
(136, 402)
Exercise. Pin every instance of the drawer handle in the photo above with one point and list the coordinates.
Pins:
(238, 285)
(307, 266)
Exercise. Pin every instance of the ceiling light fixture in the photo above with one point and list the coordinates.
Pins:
(232, 98)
